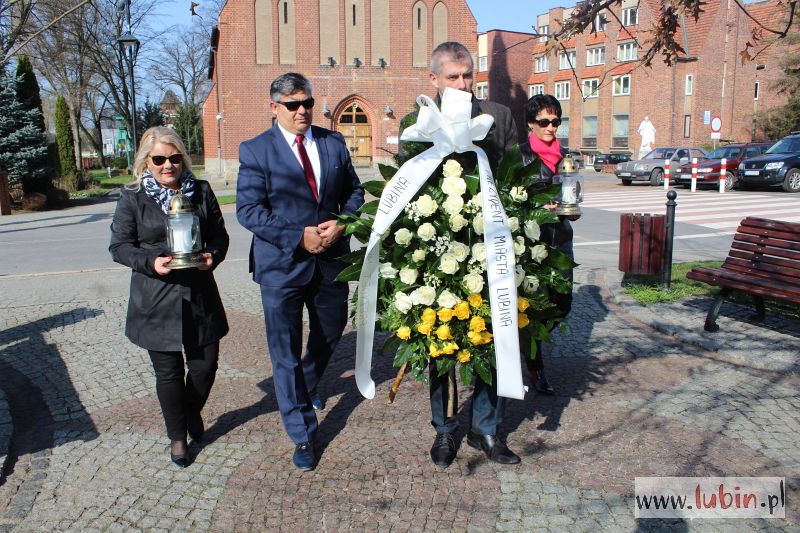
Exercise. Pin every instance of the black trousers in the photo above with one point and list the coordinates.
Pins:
(181, 393)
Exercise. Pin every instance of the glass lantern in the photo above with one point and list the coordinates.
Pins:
(183, 233)
(571, 189)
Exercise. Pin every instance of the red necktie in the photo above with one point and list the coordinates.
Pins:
(307, 168)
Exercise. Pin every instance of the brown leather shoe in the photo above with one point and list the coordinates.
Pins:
(495, 449)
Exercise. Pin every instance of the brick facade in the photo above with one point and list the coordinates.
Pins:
(238, 105)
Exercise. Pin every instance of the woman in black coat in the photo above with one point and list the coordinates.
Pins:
(543, 115)
(171, 311)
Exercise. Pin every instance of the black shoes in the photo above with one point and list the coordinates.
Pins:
(317, 403)
(443, 450)
(303, 457)
(542, 386)
(181, 459)
(195, 427)
(495, 449)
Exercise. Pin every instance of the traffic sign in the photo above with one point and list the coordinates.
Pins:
(716, 124)
(715, 135)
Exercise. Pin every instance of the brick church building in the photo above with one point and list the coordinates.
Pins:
(367, 60)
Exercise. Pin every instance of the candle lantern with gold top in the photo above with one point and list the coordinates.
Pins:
(571, 189)
(183, 233)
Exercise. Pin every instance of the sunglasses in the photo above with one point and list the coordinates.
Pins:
(294, 105)
(544, 122)
(158, 160)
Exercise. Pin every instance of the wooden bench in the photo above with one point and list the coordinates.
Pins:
(764, 261)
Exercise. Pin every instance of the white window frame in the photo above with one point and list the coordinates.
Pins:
(689, 87)
(630, 16)
(757, 91)
(562, 90)
(533, 90)
(482, 90)
(541, 64)
(618, 85)
(599, 23)
(565, 58)
(483, 63)
(592, 86)
(596, 55)
(627, 52)
(544, 33)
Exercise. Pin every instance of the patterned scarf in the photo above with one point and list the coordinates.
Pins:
(162, 195)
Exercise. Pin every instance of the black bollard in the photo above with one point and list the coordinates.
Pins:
(670, 229)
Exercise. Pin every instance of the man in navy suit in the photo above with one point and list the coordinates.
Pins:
(294, 179)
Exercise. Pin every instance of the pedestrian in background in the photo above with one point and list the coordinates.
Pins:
(171, 313)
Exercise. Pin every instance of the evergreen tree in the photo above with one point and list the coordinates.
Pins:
(187, 122)
(28, 89)
(65, 140)
(148, 116)
(23, 147)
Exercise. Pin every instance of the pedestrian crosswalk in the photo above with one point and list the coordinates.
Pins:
(710, 209)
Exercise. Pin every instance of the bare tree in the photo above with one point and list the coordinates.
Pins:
(182, 65)
(14, 15)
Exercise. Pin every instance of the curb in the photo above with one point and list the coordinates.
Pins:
(6, 429)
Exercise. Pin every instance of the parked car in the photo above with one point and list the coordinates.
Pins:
(780, 165)
(610, 159)
(651, 167)
(709, 169)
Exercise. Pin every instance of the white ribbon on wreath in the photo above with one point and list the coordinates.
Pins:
(451, 129)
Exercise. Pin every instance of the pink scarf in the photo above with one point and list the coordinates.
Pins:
(550, 153)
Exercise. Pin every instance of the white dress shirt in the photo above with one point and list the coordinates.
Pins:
(311, 148)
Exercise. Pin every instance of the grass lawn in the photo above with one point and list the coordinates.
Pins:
(225, 199)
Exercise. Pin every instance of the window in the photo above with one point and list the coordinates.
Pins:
(757, 90)
(563, 130)
(619, 131)
(286, 12)
(595, 56)
(590, 88)
(687, 126)
(627, 52)
(589, 132)
(544, 31)
(354, 14)
(562, 90)
(482, 90)
(566, 60)
(630, 16)
(599, 23)
(483, 64)
(533, 90)
(689, 84)
(621, 85)
(541, 64)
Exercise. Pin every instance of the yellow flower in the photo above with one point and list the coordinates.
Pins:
(475, 300)
(424, 328)
(449, 348)
(522, 304)
(477, 324)
(443, 332)
(464, 356)
(522, 320)
(462, 310)
(404, 332)
(433, 349)
(445, 314)
(429, 316)
(486, 337)
(474, 337)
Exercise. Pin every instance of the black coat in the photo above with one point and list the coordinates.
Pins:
(183, 307)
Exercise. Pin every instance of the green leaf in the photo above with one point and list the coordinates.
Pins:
(356, 256)
(392, 344)
(374, 187)
(350, 273)
(473, 182)
(482, 371)
(370, 208)
(466, 374)
(387, 171)
(506, 171)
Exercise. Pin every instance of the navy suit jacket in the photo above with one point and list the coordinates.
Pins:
(274, 202)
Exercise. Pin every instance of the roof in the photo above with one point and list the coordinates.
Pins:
(170, 98)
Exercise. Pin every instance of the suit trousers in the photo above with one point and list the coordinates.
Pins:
(487, 406)
(296, 376)
(179, 395)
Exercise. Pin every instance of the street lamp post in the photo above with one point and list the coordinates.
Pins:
(130, 49)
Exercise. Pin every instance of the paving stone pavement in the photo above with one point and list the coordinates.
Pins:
(641, 392)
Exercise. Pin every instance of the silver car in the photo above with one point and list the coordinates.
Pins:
(651, 167)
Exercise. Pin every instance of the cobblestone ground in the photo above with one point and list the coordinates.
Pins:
(640, 393)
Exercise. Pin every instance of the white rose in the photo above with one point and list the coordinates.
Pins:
(408, 275)
(519, 275)
(402, 302)
(477, 224)
(426, 231)
(452, 168)
(538, 253)
(453, 205)
(403, 236)
(519, 245)
(519, 194)
(419, 255)
(473, 283)
(531, 284)
(479, 251)
(532, 230)
(447, 299)
(387, 271)
(424, 295)
(477, 199)
(454, 186)
(426, 205)
(513, 224)
(448, 264)
(457, 222)
(460, 251)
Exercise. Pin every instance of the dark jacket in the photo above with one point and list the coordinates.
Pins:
(183, 307)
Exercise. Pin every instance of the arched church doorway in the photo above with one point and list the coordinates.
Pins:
(353, 124)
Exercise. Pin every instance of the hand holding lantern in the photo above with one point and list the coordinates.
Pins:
(183, 234)
(571, 189)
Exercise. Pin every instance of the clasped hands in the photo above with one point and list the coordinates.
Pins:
(317, 239)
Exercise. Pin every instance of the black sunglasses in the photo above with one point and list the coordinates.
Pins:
(294, 105)
(544, 122)
(159, 160)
